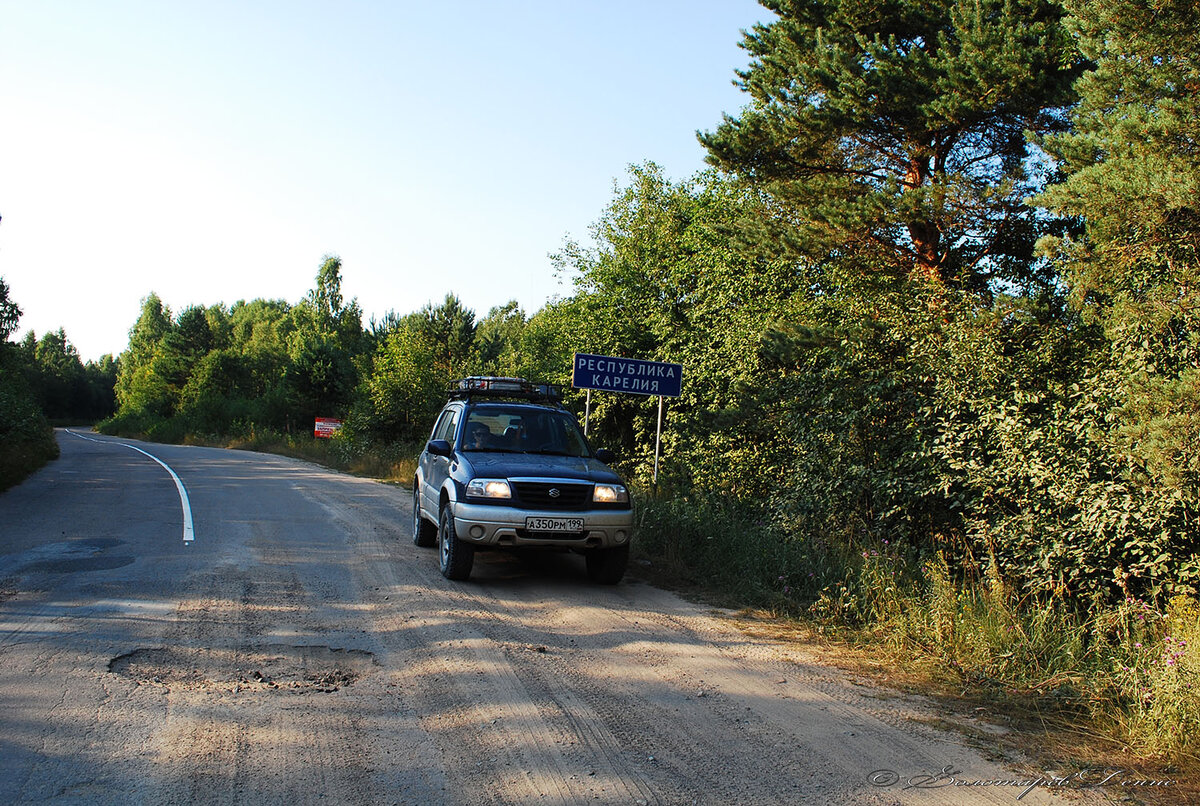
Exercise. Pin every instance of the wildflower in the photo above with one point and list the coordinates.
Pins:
(1137, 645)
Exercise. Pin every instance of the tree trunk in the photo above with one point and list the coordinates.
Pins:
(925, 235)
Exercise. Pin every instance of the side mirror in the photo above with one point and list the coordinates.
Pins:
(439, 447)
(605, 455)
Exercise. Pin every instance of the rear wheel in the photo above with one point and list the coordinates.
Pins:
(424, 533)
(607, 566)
(456, 556)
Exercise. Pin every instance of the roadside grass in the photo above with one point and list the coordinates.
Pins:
(1102, 683)
(389, 462)
(394, 463)
(20, 457)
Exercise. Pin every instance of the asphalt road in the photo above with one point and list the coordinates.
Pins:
(295, 647)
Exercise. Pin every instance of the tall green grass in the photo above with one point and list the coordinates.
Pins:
(393, 462)
(1129, 670)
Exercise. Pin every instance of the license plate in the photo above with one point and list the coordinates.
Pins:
(554, 524)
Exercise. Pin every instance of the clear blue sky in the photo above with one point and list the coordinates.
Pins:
(216, 151)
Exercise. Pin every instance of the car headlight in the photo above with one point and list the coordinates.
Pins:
(489, 488)
(610, 494)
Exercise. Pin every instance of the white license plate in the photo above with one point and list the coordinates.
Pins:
(554, 524)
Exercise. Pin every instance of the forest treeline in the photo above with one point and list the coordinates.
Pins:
(43, 380)
(938, 304)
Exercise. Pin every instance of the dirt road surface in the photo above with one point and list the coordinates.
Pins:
(300, 650)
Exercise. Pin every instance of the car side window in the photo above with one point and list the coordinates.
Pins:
(447, 426)
(438, 426)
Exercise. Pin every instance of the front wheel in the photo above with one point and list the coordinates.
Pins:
(456, 556)
(423, 532)
(607, 566)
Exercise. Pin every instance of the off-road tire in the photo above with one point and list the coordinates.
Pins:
(424, 533)
(456, 557)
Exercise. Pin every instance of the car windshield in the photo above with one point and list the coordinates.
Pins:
(523, 430)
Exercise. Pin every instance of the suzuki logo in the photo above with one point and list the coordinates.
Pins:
(554, 492)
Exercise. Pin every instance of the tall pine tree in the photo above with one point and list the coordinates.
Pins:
(895, 130)
(1133, 175)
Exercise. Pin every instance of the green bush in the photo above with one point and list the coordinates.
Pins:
(703, 540)
(26, 438)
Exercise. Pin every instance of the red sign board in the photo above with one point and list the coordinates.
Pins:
(326, 427)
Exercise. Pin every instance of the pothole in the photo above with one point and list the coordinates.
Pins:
(70, 557)
(272, 667)
(78, 565)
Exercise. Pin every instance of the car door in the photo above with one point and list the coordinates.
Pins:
(434, 468)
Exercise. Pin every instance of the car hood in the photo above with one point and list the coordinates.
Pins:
(516, 465)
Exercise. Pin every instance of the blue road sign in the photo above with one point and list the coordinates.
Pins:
(630, 375)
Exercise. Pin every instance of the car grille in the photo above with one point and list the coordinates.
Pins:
(552, 495)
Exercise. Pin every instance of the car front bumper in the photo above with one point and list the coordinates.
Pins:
(487, 525)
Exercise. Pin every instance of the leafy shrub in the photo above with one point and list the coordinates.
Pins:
(26, 439)
(1029, 439)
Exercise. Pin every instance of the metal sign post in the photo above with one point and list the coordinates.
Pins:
(658, 438)
(631, 376)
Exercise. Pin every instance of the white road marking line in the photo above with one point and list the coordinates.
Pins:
(189, 533)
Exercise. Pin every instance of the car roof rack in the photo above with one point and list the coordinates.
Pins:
(508, 388)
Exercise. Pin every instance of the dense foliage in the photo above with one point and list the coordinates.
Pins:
(945, 386)
(264, 364)
(26, 439)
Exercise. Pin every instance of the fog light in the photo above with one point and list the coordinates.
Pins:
(621, 537)
(476, 532)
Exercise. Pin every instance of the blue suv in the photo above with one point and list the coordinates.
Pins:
(506, 466)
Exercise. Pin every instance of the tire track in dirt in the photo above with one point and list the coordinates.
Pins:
(676, 734)
(228, 737)
(265, 693)
(508, 736)
(658, 700)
